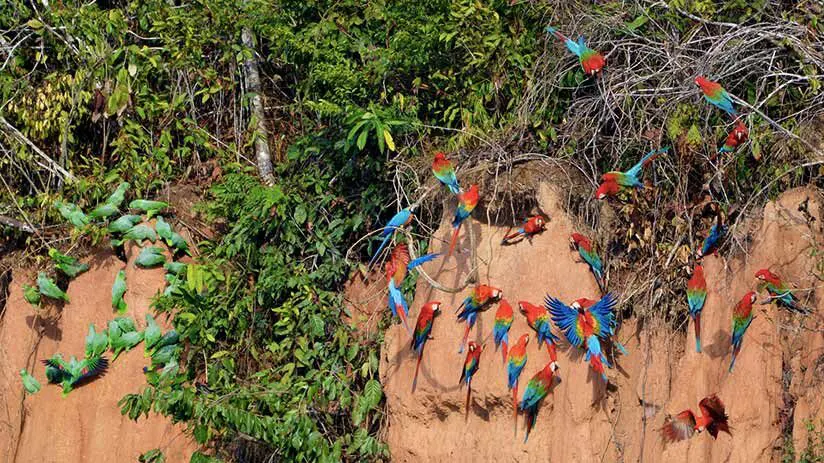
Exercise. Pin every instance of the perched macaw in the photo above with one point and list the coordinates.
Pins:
(445, 172)
(500, 331)
(591, 60)
(478, 300)
(712, 240)
(423, 328)
(779, 290)
(696, 296)
(684, 425)
(402, 218)
(538, 319)
(467, 200)
(738, 135)
(613, 182)
(536, 390)
(470, 367)
(584, 247)
(586, 322)
(742, 316)
(397, 267)
(716, 95)
(532, 226)
(516, 361)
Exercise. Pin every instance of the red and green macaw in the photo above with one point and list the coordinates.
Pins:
(467, 200)
(583, 245)
(537, 318)
(516, 361)
(716, 95)
(591, 60)
(396, 269)
(470, 367)
(503, 321)
(445, 172)
(536, 390)
(532, 226)
(684, 425)
(478, 300)
(780, 291)
(742, 316)
(696, 296)
(738, 135)
(402, 218)
(613, 182)
(423, 329)
(586, 322)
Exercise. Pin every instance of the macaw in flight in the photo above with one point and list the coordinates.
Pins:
(780, 291)
(478, 300)
(742, 316)
(592, 61)
(444, 171)
(500, 330)
(614, 182)
(423, 330)
(583, 245)
(470, 367)
(531, 227)
(684, 425)
(537, 318)
(467, 200)
(716, 95)
(396, 268)
(586, 322)
(536, 390)
(696, 296)
(402, 218)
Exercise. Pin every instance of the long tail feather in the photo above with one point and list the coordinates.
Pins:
(454, 187)
(515, 405)
(511, 236)
(402, 315)
(597, 366)
(698, 333)
(465, 337)
(468, 397)
(504, 349)
(378, 252)
(550, 348)
(620, 347)
(734, 355)
(529, 418)
(601, 283)
(417, 367)
(454, 240)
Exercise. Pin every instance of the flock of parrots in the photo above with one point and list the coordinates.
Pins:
(586, 324)
(121, 334)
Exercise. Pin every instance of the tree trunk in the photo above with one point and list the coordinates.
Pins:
(263, 157)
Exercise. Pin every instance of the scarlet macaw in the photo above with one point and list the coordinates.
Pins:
(423, 328)
(584, 247)
(585, 322)
(628, 179)
(742, 316)
(536, 390)
(402, 218)
(738, 135)
(477, 301)
(590, 60)
(515, 364)
(713, 419)
(716, 95)
(396, 269)
(445, 172)
(470, 367)
(779, 290)
(467, 200)
(696, 296)
(503, 321)
(538, 319)
(531, 227)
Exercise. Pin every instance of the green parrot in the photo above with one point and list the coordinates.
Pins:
(96, 343)
(150, 256)
(70, 266)
(174, 284)
(175, 268)
(103, 211)
(140, 233)
(126, 324)
(169, 339)
(29, 383)
(118, 290)
(150, 207)
(151, 335)
(49, 288)
(164, 230)
(164, 355)
(119, 194)
(166, 375)
(74, 372)
(72, 213)
(120, 340)
(179, 244)
(124, 223)
(31, 294)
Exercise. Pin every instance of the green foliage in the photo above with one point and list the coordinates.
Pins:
(813, 452)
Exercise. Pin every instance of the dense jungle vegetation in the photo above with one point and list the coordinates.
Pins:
(356, 95)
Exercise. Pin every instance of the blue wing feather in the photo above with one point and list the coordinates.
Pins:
(565, 318)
